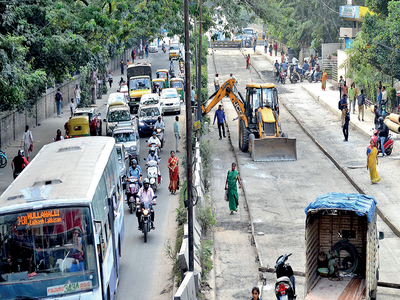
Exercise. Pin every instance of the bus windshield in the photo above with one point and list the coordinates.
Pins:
(47, 253)
(139, 84)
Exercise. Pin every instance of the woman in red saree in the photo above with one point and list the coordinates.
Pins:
(173, 167)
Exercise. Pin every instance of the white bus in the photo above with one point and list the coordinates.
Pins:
(62, 224)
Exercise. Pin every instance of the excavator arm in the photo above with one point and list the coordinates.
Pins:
(226, 90)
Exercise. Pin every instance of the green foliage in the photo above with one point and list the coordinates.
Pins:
(206, 217)
(204, 253)
(206, 159)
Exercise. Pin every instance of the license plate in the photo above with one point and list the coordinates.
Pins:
(132, 185)
(284, 297)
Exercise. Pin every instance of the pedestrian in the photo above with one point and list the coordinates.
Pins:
(254, 44)
(380, 84)
(341, 82)
(216, 82)
(220, 116)
(324, 79)
(312, 61)
(134, 52)
(345, 88)
(282, 58)
(350, 97)
(372, 162)
(177, 133)
(110, 78)
(276, 48)
(276, 66)
(133, 55)
(235, 89)
(72, 107)
(361, 104)
(77, 93)
(317, 69)
(122, 67)
(18, 163)
(146, 50)
(58, 98)
(27, 142)
(173, 167)
(255, 292)
(377, 116)
(265, 46)
(346, 125)
(379, 99)
(384, 95)
(343, 105)
(248, 61)
(231, 188)
(270, 50)
(355, 96)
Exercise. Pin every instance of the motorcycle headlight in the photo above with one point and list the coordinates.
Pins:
(146, 212)
(152, 180)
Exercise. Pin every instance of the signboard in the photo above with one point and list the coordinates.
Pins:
(197, 125)
(350, 12)
(39, 218)
(69, 288)
(348, 43)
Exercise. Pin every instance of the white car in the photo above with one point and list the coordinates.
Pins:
(170, 101)
(153, 47)
(148, 99)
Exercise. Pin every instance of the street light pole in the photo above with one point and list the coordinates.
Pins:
(199, 112)
(188, 139)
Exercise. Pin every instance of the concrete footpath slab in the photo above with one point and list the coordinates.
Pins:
(278, 192)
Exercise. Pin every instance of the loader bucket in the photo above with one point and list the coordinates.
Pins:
(273, 149)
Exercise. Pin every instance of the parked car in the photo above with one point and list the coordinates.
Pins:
(170, 101)
(85, 122)
(147, 116)
(149, 99)
(153, 47)
(117, 114)
(123, 162)
(129, 137)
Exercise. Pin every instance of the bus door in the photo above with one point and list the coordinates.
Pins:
(112, 215)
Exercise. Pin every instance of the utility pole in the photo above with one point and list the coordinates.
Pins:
(189, 159)
(199, 112)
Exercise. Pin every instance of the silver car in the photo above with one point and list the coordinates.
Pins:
(123, 162)
(129, 137)
(153, 48)
(170, 100)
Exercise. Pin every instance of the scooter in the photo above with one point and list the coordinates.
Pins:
(388, 143)
(152, 174)
(294, 77)
(145, 219)
(312, 77)
(160, 135)
(131, 192)
(155, 148)
(285, 281)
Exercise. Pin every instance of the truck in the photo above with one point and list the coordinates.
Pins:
(139, 78)
(341, 237)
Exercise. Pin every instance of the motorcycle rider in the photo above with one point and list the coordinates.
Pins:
(146, 195)
(383, 134)
(135, 171)
(305, 67)
(18, 163)
(160, 124)
(58, 137)
(154, 140)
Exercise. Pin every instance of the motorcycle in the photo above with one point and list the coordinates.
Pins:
(3, 159)
(311, 78)
(388, 143)
(285, 281)
(145, 219)
(160, 136)
(163, 48)
(152, 174)
(294, 77)
(131, 192)
(283, 76)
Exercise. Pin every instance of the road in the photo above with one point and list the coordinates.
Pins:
(145, 270)
(278, 192)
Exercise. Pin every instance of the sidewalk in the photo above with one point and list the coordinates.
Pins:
(46, 131)
(328, 98)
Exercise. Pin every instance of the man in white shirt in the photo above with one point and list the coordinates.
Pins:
(236, 82)
(384, 94)
(216, 82)
(72, 107)
(160, 124)
(294, 60)
(154, 140)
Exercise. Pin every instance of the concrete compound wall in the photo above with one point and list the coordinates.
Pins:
(192, 279)
(12, 124)
(329, 48)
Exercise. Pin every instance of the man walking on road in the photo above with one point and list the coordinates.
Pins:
(276, 48)
(77, 92)
(220, 116)
(384, 96)
(379, 100)
(59, 98)
(177, 133)
(346, 124)
(343, 105)
(216, 82)
(265, 46)
(351, 96)
(341, 82)
(122, 67)
(361, 104)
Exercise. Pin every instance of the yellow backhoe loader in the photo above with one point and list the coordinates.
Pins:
(260, 130)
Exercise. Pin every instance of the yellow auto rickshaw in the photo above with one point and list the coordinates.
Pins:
(78, 126)
(178, 84)
(160, 83)
(163, 73)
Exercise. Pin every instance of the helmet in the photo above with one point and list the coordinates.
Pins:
(133, 162)
(146, 180)
(380, 120)
(58, 131)
(21, 152)
(154, 133)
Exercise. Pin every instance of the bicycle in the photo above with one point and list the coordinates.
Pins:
(3, 159)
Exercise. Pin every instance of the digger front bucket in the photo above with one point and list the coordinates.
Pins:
(273, 149)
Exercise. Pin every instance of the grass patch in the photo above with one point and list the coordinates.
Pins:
(204, 254)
